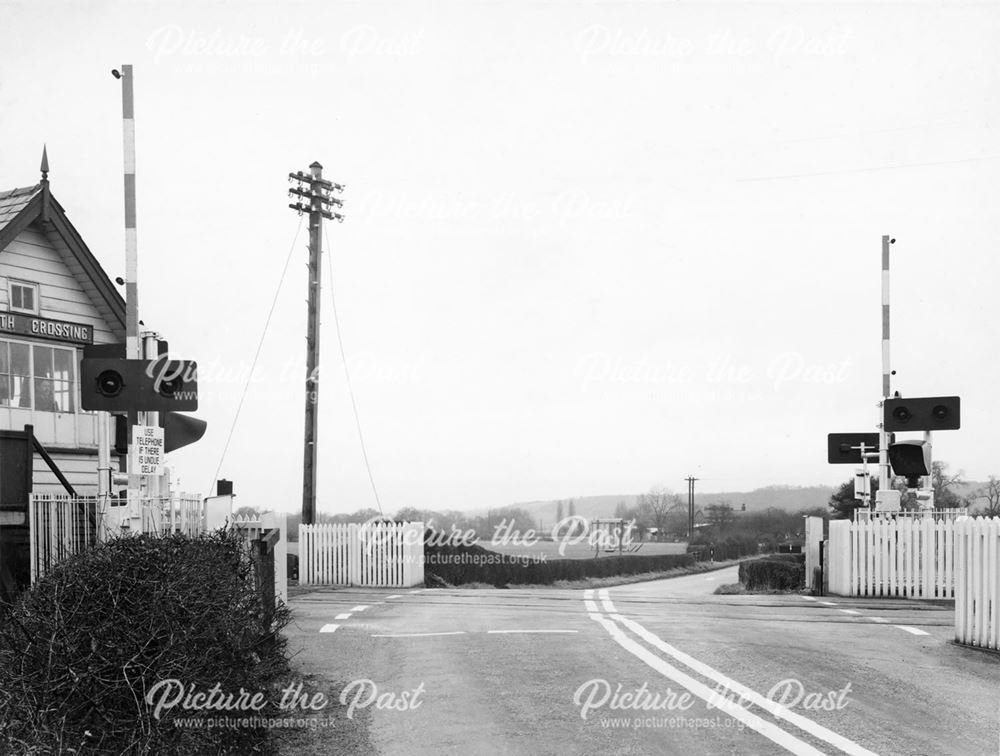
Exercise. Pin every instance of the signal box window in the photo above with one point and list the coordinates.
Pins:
(23, 297)
(37, 377)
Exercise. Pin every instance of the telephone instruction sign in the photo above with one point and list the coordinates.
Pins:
(147, 450)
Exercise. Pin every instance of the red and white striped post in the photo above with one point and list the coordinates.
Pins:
(132, 347)
(133, 344)
(883, 446)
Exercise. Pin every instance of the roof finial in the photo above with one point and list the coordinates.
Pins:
(45, 164)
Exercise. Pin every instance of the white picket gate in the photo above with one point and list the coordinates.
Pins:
(60, 526)
(255, 528)
(977, 582)
(371, 554)
(905, 557)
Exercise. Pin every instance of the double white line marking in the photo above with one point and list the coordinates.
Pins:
(614, 623)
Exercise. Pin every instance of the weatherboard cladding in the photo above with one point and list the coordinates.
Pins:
(38, 244)
(32, 257)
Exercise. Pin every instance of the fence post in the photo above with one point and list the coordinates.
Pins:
(32, 535)
(305, 554)
(993, 570)
(417, 573)
(841, 557)
(961, 573)
(354, 546)
(280, 520)
(978, 594)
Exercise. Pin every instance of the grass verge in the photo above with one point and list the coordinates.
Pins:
(327, 732)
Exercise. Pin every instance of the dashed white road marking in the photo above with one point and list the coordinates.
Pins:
(343, 616)
(710, 578)
(360, 608)
(329, 628)
(879, 620)
(417, 635)
(828, 603)
(808, 598)
(502, 632)
(395, 595)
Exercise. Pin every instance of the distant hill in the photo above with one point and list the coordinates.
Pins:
(788, 498)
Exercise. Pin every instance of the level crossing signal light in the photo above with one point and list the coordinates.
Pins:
(922, 414)
(845, 448)
(911, 460)
(121, 385)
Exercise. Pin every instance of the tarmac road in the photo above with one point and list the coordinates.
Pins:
(650, 668)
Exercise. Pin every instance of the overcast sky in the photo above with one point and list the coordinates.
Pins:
(589, 248)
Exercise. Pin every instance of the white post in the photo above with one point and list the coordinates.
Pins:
(839, 558)
(814, 536)
(33, 536)
(152, 483)
(103, 420)
(927, 483)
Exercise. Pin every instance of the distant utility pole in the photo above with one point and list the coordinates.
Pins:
(690, 481)
(315, 197)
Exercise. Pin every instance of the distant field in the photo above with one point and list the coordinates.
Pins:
(579, 550)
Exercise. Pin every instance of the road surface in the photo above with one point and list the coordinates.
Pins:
(663, 667)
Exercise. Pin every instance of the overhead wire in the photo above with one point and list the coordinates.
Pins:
(256, 356)
(347, 372)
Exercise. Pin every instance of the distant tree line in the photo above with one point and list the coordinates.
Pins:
(484, 526)
(984, 500)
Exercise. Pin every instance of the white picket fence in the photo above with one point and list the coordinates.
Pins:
(371, 554)
(905, 557)
(977, 582)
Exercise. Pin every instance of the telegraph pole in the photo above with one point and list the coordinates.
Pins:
(690, 481)
(315, 198)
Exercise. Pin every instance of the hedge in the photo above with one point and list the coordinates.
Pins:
(729, 548)
(772, 574)
(458, 564)
(82, 647)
